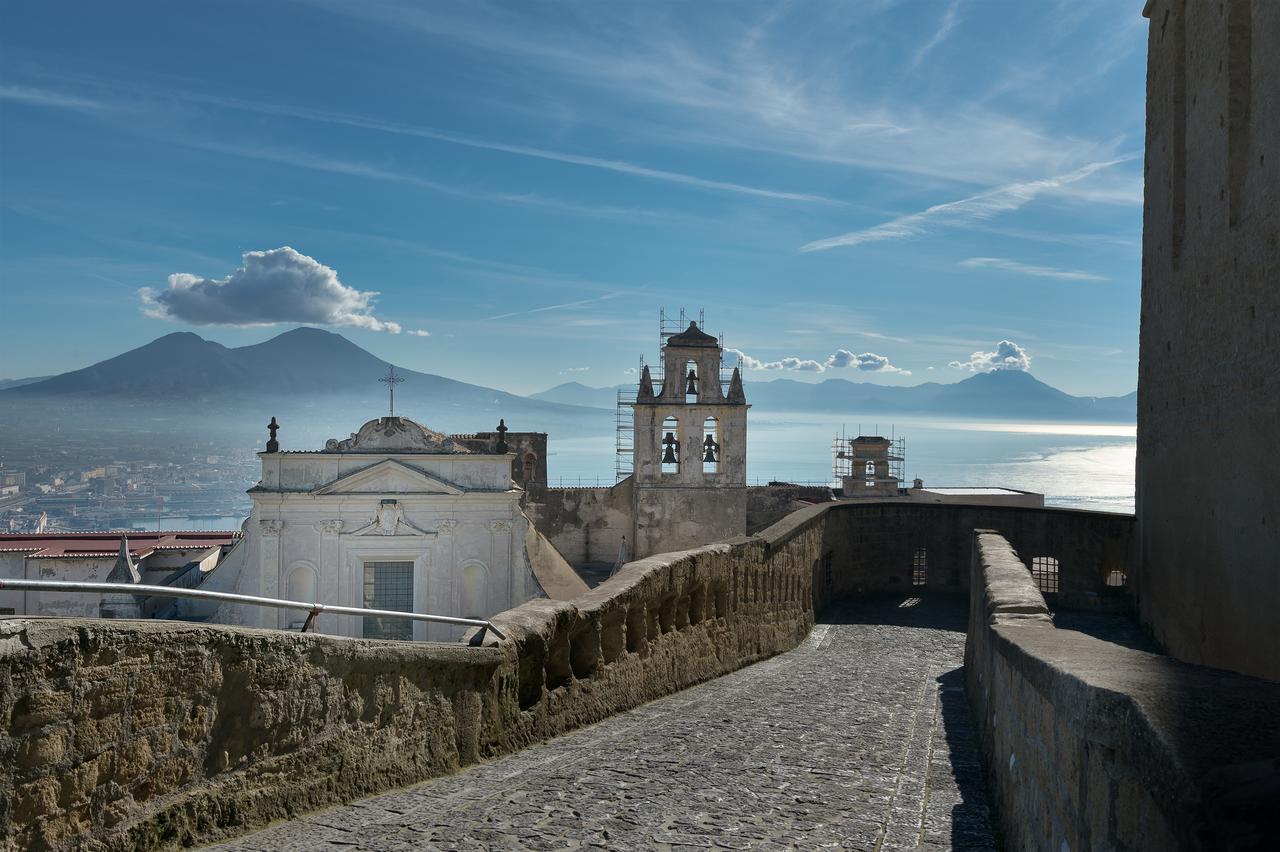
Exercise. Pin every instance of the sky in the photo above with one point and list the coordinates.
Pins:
(893, 191)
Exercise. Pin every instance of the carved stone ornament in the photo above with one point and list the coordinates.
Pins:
(389, 519)
(270, 527)
(394, 434)
(332, 527)
(447, 526)
(500, 526)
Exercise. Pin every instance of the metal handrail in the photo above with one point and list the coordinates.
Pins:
(313, 609)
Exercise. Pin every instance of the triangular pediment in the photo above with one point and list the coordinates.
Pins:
(389, 476)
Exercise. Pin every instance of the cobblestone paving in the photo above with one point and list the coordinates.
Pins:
(858, 739)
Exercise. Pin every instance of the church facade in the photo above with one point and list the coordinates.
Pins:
(395, 517)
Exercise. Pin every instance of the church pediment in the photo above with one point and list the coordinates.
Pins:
(389, 477)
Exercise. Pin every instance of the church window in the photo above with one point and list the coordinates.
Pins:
(301, 584)
(1116, 579)
(473, 591)
(1044, 569)
(530, 464)
(691, 382)
(388, 585)
(669, 445)
(711, 445)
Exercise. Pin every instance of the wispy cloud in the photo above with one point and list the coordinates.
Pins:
(47, 98)
(1008, 265)
(563, 306)
(950, 18)
(984, 205)
(619, 166)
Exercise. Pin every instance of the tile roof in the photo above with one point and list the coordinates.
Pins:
(104, 544)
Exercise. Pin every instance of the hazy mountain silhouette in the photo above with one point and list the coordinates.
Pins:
(1004, 394)
(323, 383)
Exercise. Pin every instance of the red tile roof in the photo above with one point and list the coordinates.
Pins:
(96, 544)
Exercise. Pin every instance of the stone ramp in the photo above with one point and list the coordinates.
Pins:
(858, 739)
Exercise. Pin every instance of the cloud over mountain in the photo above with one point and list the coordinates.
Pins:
(279, 285)
(1007, 356)
(867, 362)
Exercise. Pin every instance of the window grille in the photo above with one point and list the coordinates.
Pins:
(920, 567)
(388, 585)
(1044, 569)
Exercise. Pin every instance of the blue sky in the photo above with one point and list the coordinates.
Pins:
(524, 185)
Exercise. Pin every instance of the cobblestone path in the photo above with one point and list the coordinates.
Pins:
(858, 739)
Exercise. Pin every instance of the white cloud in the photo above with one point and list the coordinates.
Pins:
(631, 371)
(1028, 269)
(841, 358)
(280, 285)
(419, 332)
(46, 98)
(949, 20)
(1007, 356)
(984, 205)
(574, 370)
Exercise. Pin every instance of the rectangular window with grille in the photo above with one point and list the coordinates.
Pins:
(1044, 570)
(388, 585)
(920, 567)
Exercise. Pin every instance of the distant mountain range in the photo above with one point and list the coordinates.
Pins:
(327, 385)
(1004, 394)
(324, 384)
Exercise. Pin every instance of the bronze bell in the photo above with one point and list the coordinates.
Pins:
(669, 455)
(710, 446)
(691, 389)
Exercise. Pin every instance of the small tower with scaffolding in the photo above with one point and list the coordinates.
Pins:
(868, 465)
(688, 443)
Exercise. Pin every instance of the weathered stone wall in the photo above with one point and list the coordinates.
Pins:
(1091, 745)
(1208, 470)
(873, 546)
(128, 735)
(587, 524)
(768, 504)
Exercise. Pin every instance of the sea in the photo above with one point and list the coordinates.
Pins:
(1074, 465)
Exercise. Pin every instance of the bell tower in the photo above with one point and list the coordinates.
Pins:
(690, 447)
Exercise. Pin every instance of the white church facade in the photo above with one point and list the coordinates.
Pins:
(395, 517)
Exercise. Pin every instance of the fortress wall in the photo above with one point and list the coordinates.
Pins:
(1091, 745)
(1208, 471)
(768, 504)
(587, 524)
(137, 734)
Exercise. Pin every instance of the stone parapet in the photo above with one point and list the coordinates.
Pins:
(1091, 745)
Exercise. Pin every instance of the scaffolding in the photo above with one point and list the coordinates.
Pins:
(850, 458)
(624, 416)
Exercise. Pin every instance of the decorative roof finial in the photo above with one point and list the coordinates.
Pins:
(502, 436)
(645, 394)
(736, 393)
(392, 380)
(273, 446)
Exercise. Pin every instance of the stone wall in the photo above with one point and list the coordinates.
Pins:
(154, 734)
(1091, 745)
(768, 504)
(134, 735)
(587, 524)
(1208, 470)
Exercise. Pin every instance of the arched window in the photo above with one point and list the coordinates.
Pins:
(691, 382)
(871, 468)
(473, 598)
(920, 567)
(1044, 569)
(669, 445)
(870, 473)
(530, 465)
(1116, 579)
(711, 445)
(302, 584)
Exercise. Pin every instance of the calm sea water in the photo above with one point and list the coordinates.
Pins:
(1076, 465)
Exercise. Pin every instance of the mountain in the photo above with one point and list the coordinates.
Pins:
(17, 383)
(576, 393)
(323, 383)
(1003, 394)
